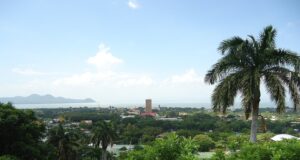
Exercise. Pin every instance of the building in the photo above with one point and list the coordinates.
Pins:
(148, 114)
(148, 109)
(87, 122)
(169, 119)
(148, 106)
(127, 116)
(182, 114)
(281, 137)
(134, 111)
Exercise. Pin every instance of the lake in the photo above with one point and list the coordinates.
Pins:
(93, 105)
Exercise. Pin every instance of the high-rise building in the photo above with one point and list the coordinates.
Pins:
(148, 108)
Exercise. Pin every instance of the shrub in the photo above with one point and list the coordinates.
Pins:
(205, 142)
(219, 155)
(173, 147)
(8, 157)
(235, 142)
(283, 150)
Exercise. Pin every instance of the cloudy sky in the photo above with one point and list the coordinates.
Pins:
(123, 51)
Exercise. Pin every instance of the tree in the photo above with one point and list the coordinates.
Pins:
(172, 147)
(65, 142)
(103, 135)
(205, 142)
(243, 67)
(20, 133)
(90, 153)
(131, 134)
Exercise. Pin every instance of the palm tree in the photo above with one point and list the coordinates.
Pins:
(103, 135)
(245, 64)
(65, 142)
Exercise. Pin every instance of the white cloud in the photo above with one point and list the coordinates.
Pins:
(107, 78)
(107, 84)
(104, 58)
(140, 80)
(28, 72)
(189, 77)
(133, 4)
(75, 80)
(188, 86)
(105, 75)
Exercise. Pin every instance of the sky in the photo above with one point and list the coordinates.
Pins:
(124, 51)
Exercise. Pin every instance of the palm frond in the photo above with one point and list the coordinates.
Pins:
(103, 134)
(254, 42)
(247, 98)
(282, 57)
(230, 45)
(247, 105)
(225, 92)
(290, 79)
(276, 70)
(224, 67)
(276, 89)
(294, 95)
(267, 38)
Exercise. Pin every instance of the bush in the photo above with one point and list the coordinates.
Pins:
(219, 155)
(138, 147)
(173, 147)
(283, 150)
(235, 142)
(8, 157)
(205, 142)
(265, 137)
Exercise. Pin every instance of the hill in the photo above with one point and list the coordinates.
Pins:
(43, 99)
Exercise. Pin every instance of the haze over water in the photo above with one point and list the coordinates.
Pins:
(128, 105)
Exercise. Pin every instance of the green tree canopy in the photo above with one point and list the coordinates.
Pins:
(20, 133)
(104, 134)
(66, 142)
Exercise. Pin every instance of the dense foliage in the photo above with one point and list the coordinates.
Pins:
(172, 147)
(66, 138)
(65, 143)
(205, 142)
(283, 150)
(104, 134)
(21, 133)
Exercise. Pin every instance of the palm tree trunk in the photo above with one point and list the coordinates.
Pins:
(254, 126)
(104, 155)
(255, 111)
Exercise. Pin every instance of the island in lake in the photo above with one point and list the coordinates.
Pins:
(43, 99)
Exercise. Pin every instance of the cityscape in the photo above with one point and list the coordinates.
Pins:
(149, 80)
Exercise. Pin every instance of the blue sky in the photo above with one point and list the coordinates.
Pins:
(124, 51)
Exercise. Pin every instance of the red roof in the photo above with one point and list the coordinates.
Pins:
(152, 114)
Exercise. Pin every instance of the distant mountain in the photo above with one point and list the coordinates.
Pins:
(43, 99)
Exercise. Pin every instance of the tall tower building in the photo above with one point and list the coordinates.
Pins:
(148, 105)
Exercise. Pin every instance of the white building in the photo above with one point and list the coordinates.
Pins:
(281, 137)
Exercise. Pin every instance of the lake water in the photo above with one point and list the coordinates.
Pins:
(129, 105)
(92, 105)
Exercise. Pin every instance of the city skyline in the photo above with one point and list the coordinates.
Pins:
(124, 51)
